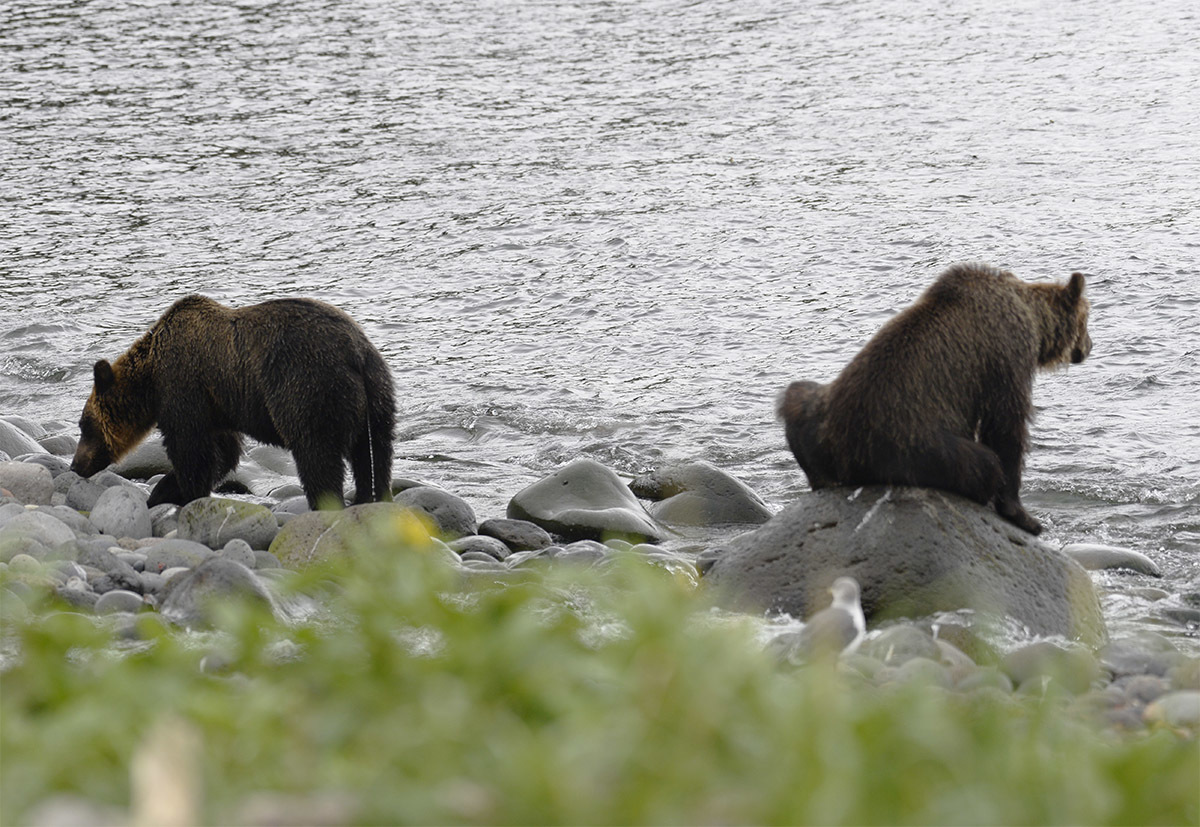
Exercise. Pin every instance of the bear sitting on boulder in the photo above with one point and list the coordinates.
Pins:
(941, 396)
(296, 373)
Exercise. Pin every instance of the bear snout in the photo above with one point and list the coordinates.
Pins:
(89, 459)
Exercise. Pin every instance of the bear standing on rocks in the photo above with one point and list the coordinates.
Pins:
(297, 373)
(941, 396)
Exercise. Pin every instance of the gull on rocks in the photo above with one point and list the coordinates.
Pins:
(837, 630)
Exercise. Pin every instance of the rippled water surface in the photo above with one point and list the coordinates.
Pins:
(618, 229)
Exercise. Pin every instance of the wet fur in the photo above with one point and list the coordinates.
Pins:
(296, 373)
(941, 396)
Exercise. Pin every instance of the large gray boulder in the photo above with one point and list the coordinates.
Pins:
(15, 442)
(585, 501)
(914, 552)
(214, 521)
(700, 494)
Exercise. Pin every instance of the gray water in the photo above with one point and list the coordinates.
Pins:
(618, 229)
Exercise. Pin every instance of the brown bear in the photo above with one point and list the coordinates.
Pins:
(940, 397)
(296, 373)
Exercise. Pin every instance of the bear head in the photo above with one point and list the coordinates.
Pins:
(1064, 335)
(116, 417)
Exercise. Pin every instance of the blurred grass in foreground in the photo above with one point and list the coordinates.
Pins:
(574, 697)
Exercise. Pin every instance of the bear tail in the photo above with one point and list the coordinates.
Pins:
(372, 452)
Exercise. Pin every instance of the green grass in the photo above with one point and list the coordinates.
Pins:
(606, 698)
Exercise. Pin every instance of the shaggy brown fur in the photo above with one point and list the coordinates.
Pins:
(941, 396)
(296, 373)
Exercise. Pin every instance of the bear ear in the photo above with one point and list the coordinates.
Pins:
(103, 374)
(1075, 287)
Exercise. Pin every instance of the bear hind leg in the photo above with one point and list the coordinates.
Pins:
(321, 474)
(954, 464)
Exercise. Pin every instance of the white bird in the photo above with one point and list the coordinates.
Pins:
(834, 631)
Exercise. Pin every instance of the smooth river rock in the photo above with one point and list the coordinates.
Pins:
(914, 552)
(451, 514)
(121, 511)
(585, 501)
(15, 442)
(30, 483)
(699, 494)
(214, 521)
(1093, 556)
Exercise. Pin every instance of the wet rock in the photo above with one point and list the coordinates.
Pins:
(190, 598)
(119, 600)
(164, 518)
(1143, 688)
(239, 550)
(54, 464)
(214, 521)
(152, 584)
(477, 543)
(1093, 557)
(583, 551)
(452, 516)
(59, 445)
(71, 518)
(265, 560)
(145, 461)
(63, 483)
(1074, 668)
(120, 574)
(30, 483)
(518, 535)
(169, 554)
(985, 677)
(1183, 615)
(318, 535)
(297, 504)
(15, 442)
(915, 552)
(585, 501)
(1144, 653)
(699, 494)
(897, 644)
(121, 511)
(34, 526)
(1176, 709)
(77, 595)
(83, 494)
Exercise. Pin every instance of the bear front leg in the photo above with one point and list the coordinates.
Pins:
(193, 452)
(1008, 441)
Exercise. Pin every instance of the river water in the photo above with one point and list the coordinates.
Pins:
(618, 229)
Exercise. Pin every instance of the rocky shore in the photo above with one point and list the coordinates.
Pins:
(91, 546)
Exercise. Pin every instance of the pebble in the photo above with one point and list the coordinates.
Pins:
(239, 551)
(478, 543)
(119, 600)
(174, 553)
(121, 511)
(1176, 709)
(28, 482)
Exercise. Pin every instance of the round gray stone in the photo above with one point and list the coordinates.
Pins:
(214, 521)
(700, 494)
(145, 461)
(239, 551)
(121, 511)
(29, 482)
(119, 600)
(477, 543)
(1093, 556)
(518, 535)
(915, 552)
(15, 442)
(585, 500)
(39, 526)
(169, 554)
(189, 599)
(452, 516)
